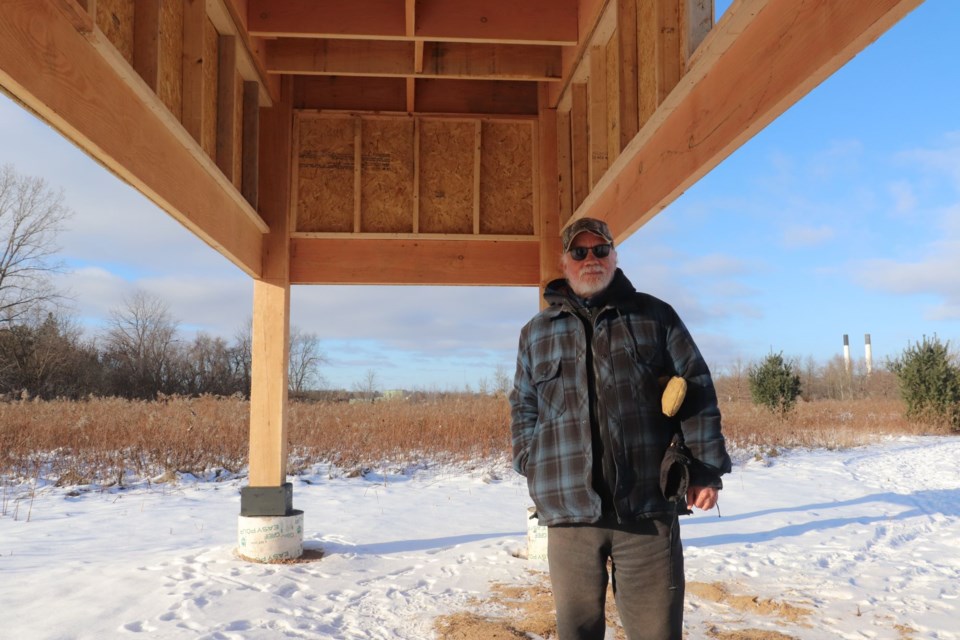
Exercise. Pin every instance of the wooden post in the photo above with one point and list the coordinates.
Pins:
(271, 302)
(267, 503)
(550, 172)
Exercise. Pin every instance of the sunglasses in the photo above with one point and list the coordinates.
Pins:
(599, 251)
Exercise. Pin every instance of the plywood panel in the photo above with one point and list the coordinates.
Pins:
(506, 178)
(446, 176)
(387, 175)
(350, 92)
(115, 20)
(325, 180)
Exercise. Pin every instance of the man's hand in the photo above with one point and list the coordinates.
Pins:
(701, 497)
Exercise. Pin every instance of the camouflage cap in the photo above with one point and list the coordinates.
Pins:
(594, 226)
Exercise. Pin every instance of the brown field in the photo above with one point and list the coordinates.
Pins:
(111, 440)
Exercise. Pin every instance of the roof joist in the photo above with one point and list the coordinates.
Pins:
(503, 21)
(396, 58)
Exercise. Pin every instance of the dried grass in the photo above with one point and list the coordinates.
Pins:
(107, 441)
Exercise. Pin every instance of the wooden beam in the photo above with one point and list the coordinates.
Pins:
(350, 93)
(492, 61)
(464, 60)
(761, 58)
(271, 302)
(529, 22)
(419, 262)
(506, 97)
(56, 72)
(79, 12)
(508, 21)
(340, 57)
(327, 18)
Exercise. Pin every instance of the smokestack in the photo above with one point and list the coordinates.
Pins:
(869, 353)
(846, 353)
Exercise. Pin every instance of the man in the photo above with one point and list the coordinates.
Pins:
(590, 435)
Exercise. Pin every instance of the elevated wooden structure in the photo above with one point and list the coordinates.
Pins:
(412, 141)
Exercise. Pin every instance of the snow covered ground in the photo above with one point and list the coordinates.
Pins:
(862, 543)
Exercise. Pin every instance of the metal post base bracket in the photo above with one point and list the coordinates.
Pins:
(266, 501)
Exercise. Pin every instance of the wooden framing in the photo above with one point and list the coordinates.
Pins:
(421, 173)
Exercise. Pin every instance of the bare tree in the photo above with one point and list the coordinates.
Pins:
(242, 355)
(368, 386)
(306, 357)
(31, 215)
(502, 382)
(140, 347)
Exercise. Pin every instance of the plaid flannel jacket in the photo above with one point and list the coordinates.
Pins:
(637, 339)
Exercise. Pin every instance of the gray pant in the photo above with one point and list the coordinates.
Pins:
(646, 569)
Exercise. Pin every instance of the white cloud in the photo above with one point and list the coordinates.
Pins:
(904, 197)
(797, 236)
(716, 264)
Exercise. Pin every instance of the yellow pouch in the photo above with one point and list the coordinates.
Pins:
(673, 395)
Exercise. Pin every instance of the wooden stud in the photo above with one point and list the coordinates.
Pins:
(648, 60)
(357, 173)
(251, 143)
(416, 175)
(411, 95)
(227, 107)
(613, 99)
(598, 114)
(477, 151)
(146, 42)
(668, 45)
(194, 19)
(628, 94)
(564, 166)
(579, 144)
(696, 20)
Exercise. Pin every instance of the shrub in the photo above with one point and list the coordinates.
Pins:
(929, 382)
(774, 384)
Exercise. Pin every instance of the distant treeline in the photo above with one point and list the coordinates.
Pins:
(50, 358)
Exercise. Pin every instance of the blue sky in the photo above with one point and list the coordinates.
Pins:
(841, 217)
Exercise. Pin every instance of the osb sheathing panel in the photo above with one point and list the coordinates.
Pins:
(171, 57)
(446, 176)
(387, 175)
(325, 180)
(506, 178)
(211, 61)
(419, 169)
(115, 20)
